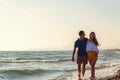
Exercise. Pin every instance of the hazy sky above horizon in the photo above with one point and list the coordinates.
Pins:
(54, 24)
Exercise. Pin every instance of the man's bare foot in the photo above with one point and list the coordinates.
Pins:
(79, 76)
(79, 79)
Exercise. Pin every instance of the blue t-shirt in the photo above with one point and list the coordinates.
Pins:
(81, 45)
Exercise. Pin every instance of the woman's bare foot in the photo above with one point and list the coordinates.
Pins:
(92, 78)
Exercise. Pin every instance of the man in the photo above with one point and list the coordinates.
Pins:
(81, 53)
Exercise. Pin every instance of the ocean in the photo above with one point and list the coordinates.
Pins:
(48, 65)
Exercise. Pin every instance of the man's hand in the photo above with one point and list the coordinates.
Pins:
(73, 58)
(74, 50)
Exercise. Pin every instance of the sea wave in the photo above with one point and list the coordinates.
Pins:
(23, 71)
(18, 60)
(117, 51)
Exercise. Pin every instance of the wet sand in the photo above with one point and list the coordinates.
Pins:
(116, 76)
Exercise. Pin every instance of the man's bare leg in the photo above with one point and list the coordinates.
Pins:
(83, 69)
(79, 71)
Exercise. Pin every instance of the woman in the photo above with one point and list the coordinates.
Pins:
(92, 52)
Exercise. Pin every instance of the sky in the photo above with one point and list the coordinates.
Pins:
(54, 24)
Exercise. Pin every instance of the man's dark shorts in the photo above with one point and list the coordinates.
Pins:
(82, 59)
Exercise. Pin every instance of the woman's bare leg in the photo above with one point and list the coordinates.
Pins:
(92, 64)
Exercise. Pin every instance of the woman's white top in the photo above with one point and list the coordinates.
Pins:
(91, 47)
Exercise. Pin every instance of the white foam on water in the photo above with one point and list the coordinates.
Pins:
(117, 52)
(15, 60)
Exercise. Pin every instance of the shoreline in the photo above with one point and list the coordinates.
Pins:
(111, 73)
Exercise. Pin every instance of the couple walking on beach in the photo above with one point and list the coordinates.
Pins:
(87, 52)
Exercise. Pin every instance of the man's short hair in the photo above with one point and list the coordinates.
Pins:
(81, 33)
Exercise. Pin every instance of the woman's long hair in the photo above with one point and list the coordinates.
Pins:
(95, 39)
